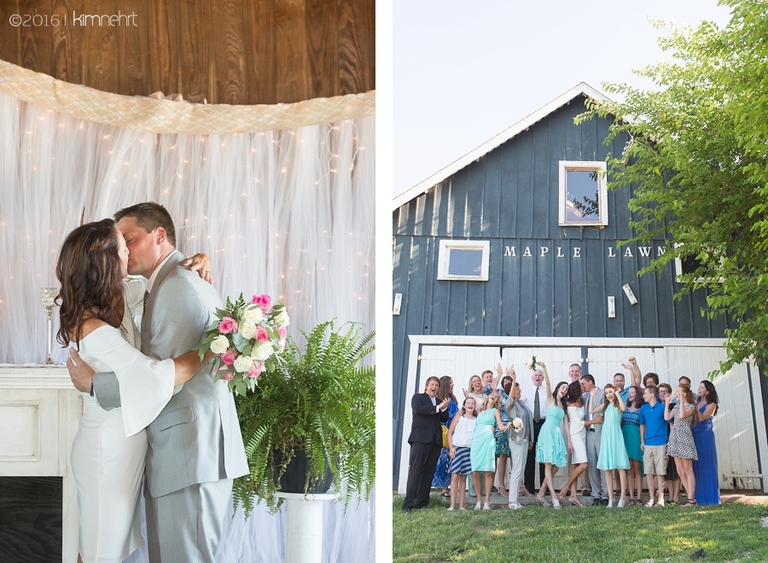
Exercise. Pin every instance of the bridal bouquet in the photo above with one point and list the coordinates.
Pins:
(530, 363)
(247, 338)
(517, 424)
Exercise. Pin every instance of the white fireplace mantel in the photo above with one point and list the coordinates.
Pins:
(39, 414)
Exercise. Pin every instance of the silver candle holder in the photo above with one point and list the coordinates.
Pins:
(47, 297)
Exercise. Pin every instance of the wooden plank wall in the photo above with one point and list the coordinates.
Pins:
(223, 51)
(510, 198)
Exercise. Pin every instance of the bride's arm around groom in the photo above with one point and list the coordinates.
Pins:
(195, 445)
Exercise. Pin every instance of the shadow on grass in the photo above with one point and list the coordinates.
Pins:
(534, 534)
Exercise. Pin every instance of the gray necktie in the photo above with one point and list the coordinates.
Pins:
(536, 407)
(146, 298)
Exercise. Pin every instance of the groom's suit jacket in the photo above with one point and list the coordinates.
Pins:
(196, 438)
(425, 428)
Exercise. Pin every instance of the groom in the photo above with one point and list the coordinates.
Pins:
(195, 445)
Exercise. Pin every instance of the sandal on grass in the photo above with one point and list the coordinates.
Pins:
(691, 502)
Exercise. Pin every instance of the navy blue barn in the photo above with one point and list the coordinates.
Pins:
(504, 254)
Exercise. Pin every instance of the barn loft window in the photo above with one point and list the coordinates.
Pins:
(691, 264)
(463, 260)
(583, 193)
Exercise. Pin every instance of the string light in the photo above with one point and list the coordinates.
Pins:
(281, 188)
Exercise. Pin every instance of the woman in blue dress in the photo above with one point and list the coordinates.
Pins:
(550, 447)
(502, 439)
(705, 468)
(613, 452)
(442, 477)
(482, 454)
(630, 429)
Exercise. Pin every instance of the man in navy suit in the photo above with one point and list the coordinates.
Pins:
(426, 439)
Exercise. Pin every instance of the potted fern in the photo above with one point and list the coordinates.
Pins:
(318, 403)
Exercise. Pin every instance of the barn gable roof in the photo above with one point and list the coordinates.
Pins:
(581, 89)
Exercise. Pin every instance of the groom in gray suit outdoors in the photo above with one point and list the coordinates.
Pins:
(195, 444)
(594, 425)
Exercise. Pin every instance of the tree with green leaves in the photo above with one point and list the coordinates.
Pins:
(697, 161)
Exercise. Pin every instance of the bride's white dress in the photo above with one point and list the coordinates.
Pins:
(109, 450)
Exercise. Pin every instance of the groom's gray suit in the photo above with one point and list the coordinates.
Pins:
(195, 444)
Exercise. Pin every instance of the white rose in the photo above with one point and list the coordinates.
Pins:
(282, 318)
(248, 330)
(253, 314)
(243, 364)
(219, 344)
(262, 351)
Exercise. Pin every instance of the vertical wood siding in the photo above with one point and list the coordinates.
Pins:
(226, 51)
(510, 197)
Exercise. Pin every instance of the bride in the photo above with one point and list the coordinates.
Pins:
(108, 452)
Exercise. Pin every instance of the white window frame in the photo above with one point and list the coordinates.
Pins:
(443, 263)
(602, 192)
(679, 271)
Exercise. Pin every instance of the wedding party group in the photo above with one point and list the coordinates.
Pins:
(154, 417)
(607, 439)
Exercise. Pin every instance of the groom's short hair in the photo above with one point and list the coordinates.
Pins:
(149, 216)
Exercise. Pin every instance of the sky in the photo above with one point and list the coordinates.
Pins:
(464, 71)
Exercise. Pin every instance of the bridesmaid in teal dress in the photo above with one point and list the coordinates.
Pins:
(613, 452)
(482, 454)
(550, 447)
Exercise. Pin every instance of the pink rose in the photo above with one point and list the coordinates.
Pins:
(227, 375)
(263, 300)
(258, 367)
(261, 334)
(282, 332)
(228, 357)
(227, 325)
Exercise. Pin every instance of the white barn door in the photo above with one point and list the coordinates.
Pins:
(739, 426)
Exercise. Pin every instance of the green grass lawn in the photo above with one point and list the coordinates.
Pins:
(731, 532)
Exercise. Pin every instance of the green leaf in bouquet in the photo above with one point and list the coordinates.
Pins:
(221, 313)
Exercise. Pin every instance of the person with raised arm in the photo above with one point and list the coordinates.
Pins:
(550, 447)
(681, 446)
(630, 428)
(520, 437)
(613, 453)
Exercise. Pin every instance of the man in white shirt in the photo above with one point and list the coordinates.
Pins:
(594, 425)
(536, 400)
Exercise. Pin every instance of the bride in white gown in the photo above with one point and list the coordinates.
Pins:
(109, 450)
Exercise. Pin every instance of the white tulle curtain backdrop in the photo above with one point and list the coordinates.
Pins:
(285, 212)
(288, 213)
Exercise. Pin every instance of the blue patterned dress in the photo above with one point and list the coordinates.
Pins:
(442, 477)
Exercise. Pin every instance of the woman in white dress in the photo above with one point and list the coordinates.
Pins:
(577, 443)
(108, 452)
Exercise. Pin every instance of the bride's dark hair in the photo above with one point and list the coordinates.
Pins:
(88, 269)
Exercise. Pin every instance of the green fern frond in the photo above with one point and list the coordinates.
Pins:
(321, 398)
